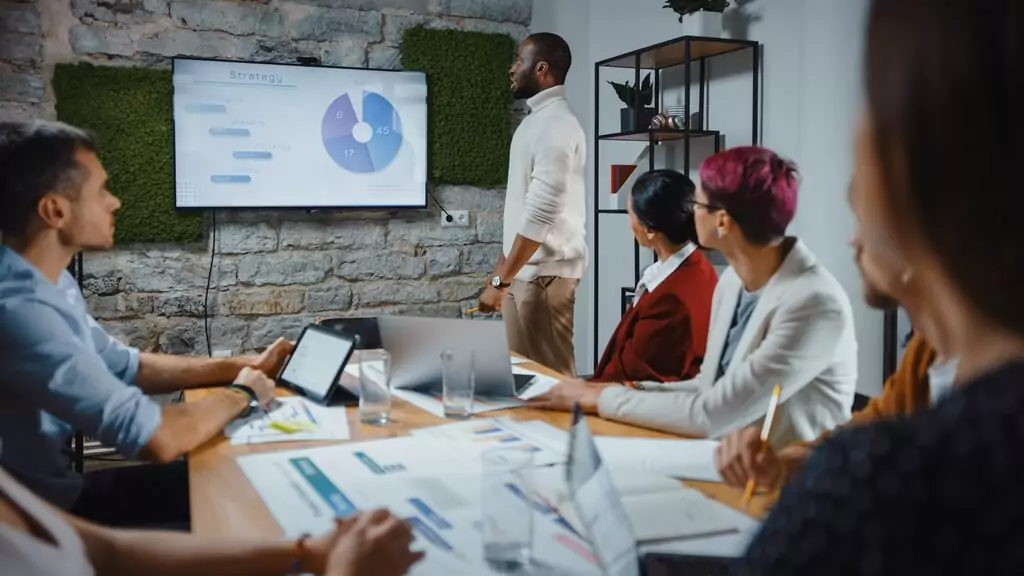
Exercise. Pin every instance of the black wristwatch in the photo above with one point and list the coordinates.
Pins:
(497, 283)
(254, 400)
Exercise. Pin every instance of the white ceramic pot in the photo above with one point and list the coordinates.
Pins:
(703, 23)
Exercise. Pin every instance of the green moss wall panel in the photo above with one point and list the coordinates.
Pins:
(129, 110)
(470, 101)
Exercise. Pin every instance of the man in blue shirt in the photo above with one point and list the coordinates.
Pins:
(62, 371)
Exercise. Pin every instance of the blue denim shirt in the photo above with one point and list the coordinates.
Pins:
(60, 371)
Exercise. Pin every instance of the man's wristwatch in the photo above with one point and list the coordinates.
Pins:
(497, 283)
(254, 400)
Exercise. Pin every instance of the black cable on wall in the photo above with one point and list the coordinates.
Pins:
(209, 279)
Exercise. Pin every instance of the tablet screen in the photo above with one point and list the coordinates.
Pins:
(316, 361)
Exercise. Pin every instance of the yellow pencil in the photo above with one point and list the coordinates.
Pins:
(766, 430)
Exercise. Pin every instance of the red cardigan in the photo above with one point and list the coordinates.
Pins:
(663, 338)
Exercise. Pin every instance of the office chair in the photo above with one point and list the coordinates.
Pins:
(365, 328)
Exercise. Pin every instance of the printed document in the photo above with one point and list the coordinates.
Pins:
(290, 419)
(684, 459)
(474, 437)
(305, 490)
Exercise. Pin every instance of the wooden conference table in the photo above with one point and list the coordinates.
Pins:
(223, 502)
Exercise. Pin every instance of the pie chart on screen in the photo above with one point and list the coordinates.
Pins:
(365, 143)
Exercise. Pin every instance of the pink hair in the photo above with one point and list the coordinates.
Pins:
(756, 187)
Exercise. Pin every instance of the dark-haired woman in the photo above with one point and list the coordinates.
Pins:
(938, 492)
(777, 317)
(664, 332)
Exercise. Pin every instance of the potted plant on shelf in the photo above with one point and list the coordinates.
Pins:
(699, 17)
(637, 100)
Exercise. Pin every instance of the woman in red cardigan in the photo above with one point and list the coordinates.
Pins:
(664, 332)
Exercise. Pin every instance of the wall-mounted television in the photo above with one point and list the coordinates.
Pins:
(253, 135)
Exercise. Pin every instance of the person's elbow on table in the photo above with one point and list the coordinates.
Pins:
(185, 426)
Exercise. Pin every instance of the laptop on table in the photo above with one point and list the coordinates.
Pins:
(606, 524)
(415, 345)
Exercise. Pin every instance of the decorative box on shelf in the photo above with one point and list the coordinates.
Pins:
(624, 176)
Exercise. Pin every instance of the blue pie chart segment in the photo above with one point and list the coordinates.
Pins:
(350, 154)
(387, 129)
(382, 126)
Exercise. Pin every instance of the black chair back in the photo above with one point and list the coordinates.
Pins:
(366, 328)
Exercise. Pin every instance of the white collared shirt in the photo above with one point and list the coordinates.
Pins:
(656, 273)
(941, 378)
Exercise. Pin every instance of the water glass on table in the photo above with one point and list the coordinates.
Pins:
(374, 387)
(458, 383)
(507, 508)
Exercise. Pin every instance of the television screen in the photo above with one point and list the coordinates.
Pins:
(250, 135)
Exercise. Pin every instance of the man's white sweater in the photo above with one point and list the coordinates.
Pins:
(545, 198)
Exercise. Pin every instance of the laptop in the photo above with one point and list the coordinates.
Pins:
(606, 525)
(415, 345)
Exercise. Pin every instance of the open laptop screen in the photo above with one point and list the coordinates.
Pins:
(598, 505)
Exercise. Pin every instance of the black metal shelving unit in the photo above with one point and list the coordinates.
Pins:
(683, 51)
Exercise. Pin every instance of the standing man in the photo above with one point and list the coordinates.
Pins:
(545, 250)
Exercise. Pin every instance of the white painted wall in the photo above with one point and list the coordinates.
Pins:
(811, 95)
(570, 19)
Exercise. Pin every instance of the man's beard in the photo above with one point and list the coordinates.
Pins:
(878, 300)
(525, 88)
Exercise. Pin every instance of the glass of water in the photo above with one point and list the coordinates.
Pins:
(507, 508)
(458, 381)
(374, 387)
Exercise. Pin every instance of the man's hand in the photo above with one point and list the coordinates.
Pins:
(490, 300)
(319, 548)
(569, 392)
(270, 361)
(738, 458)
(376, 543)
(258, 381)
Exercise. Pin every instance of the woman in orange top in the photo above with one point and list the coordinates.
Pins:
(664, 332)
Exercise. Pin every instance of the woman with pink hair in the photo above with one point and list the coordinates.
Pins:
(777, 317)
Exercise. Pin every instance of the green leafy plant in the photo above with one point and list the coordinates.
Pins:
(469, 112)
(632, 96)
(687, 7)
(129, 110)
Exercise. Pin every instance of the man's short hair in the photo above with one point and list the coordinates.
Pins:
(554, 50)
(36, 158)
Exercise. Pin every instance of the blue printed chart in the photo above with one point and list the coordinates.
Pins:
(362, 145)
(436, 488)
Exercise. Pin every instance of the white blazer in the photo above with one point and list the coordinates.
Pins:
(800, 335)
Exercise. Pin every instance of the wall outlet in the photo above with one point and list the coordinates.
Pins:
(459, 218)
(222, 353)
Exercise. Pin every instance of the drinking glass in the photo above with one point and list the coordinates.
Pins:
(374, 387)
(507, 508)
(458, 382)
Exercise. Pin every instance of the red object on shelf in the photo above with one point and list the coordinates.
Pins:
(621, 173)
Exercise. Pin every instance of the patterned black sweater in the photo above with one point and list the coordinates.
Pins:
(940, 492)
